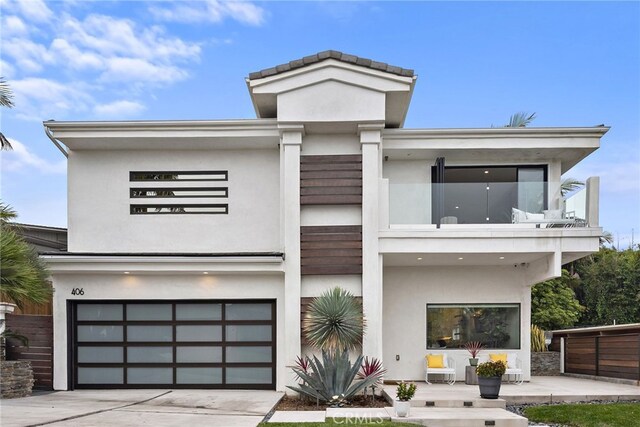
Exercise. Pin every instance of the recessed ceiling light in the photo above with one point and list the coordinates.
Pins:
(419, 258)
(501, 257)
(457, 207)
(460, 258)
(125, 272)
(205, 272)
(486, 171)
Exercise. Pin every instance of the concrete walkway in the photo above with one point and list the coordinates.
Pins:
(139, 408)
(538, 390)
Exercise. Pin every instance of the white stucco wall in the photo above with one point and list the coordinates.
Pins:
(99, 218)
(408, 290)
(164, 287)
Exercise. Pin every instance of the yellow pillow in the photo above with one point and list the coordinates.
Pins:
(436, 360)
(502, 357)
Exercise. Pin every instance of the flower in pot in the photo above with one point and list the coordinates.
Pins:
(490, 378)
(404, 394)
(473, 347)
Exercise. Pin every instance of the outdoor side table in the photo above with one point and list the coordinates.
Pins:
(470, 376)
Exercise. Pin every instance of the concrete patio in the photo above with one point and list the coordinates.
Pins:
(538, 390)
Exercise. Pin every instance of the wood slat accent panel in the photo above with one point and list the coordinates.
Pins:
(331, 249)
(304, 306)
(331, 180)
(39, 331)
(615, 356)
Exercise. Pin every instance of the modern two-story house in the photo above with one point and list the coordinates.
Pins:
(193, 246)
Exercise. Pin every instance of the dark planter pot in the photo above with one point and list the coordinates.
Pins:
(489, 387)
(473, 362)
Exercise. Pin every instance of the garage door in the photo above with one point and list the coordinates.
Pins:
(177, 344)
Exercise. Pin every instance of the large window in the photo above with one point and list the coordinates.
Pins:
(453, 325)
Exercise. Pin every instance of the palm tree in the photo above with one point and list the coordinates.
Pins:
(520, 120)
(23, 275)
(334, 321)
(570, 185)
(6, 100)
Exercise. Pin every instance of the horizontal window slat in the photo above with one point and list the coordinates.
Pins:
(179, 175)
(177, 209)
(338, 158)
(186, 192)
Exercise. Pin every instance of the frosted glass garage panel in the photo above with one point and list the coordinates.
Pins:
(192, 333)
(149, 375)
(248, 311)
(248, 333)
(100, 375)
(149, 312)
(150, 354)
(199, 354)
(249, 375)
(100, 333)
(149, 333)
(199, 375)
(100, 355)
(99, 312)
(198, 311)
(249, 354)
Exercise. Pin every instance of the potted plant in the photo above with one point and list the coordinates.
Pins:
(404, 394)
(490, 378)
(473, 347)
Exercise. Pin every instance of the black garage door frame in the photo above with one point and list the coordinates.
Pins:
(72, 323)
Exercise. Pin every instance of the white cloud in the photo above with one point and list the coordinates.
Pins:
(13, 26)
(119, 109)
(6, 69)
(139, 70)
(34, 10)
(41, 99)
(212, 11)
(96, 48)
(28, 55)
(22, 158)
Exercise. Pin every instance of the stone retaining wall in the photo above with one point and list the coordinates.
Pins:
(545, 363)
(16, 378)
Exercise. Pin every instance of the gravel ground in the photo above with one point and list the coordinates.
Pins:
(519, 409)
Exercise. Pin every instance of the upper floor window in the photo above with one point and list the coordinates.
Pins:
(178, 192)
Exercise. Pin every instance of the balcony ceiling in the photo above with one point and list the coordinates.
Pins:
(453, 259)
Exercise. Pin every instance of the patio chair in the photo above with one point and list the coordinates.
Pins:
(448, 371)
(514, 368)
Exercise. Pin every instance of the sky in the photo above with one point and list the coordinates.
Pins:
(573, 64)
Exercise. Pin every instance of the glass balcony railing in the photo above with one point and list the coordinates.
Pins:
(483, 203)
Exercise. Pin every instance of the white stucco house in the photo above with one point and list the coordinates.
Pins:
(193, 245)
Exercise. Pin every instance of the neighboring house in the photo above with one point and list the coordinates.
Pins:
(193, 245)
(43, 238)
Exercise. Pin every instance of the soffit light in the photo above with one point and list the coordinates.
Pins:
(460, 258)
(126, 272)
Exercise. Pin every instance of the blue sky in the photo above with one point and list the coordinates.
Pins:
(574, 64)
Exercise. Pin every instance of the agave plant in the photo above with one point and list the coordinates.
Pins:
(334, 321)
(372, 368)
(332, 379)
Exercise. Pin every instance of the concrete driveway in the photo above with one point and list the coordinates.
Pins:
(139, 408)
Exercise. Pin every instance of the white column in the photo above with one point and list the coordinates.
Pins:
(593, 201)
(290, 145)
(371, 138)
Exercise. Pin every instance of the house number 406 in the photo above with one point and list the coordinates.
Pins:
(77, 291)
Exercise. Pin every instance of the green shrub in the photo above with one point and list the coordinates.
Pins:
(491, 369)
(405, 391)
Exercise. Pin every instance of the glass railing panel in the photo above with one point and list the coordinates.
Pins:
(484, 203)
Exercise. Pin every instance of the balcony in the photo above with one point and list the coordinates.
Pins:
(489, 204)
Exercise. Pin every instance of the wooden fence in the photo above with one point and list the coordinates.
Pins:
(614, 356)
(39, 331)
